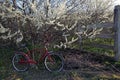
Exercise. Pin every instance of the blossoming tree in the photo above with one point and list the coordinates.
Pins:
(66, 20)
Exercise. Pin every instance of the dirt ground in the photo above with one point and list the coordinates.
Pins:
(78, 66)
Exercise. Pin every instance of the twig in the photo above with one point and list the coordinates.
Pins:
(115, 68)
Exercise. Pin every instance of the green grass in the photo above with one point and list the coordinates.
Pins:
(99, 50)
(5, 61)
(100, 41)
(6, 55)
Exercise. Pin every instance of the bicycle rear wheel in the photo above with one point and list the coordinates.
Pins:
(54, 63)
(19, 62)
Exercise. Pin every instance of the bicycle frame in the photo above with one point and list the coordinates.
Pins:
(31, 61)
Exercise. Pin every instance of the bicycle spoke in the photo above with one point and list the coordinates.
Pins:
(20, 62)
(54, 63)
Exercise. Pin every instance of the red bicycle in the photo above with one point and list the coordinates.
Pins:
(53, 62)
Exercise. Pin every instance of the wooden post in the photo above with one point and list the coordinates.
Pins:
(117, 32)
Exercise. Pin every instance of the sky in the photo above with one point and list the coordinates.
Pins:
(117, 2)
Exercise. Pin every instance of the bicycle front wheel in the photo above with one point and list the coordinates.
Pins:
(54, 63)
(19, 62)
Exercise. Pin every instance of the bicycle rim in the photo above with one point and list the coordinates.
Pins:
(53, 63)
(19, 62)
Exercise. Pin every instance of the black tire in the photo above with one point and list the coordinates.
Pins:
(19, 66)
(56, 65)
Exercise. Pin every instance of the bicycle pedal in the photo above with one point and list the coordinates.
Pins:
(36, 67)
(33, 66)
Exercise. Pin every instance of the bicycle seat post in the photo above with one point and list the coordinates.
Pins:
(47, 37)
